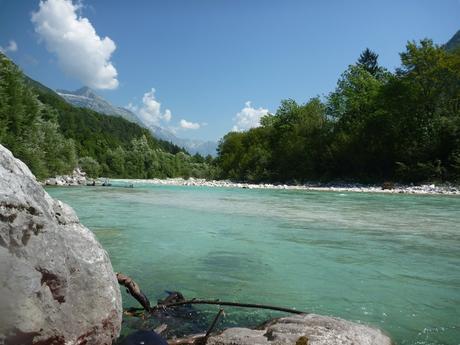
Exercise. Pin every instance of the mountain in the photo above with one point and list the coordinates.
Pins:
(52, 136)
(204, 148)
(193, 146)
(85, 126)
(454, 42)
(87, 98)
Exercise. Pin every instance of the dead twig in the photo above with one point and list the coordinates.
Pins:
(213, 325)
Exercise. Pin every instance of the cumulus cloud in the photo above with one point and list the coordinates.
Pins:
(132, 107)
(184, 124)
(167, 116)
(150, 110)
(80, 52)
(11, 47)
(150, 113)
(248, 117)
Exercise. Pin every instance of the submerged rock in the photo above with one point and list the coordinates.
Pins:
(57, 282)
(308, 329)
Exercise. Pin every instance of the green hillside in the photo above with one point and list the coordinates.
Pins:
(84, 125)
(52, 136)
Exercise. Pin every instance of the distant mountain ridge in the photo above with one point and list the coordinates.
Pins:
(87, 98)
(53, 137)
(193, 146)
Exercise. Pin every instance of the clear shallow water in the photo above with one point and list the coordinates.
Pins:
(392, 261)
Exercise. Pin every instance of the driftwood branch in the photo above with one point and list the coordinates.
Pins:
(232, 304)
(134, 290)
(176, 299)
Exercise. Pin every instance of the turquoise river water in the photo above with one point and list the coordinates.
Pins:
(392, 261)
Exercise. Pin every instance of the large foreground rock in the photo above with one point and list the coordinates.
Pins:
(57, 283)
(308, 329)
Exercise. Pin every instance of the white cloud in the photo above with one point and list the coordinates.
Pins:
(81, 53)
(132, 107)
(12, 47)
(150, 113)
(248, 117)
(188, 125)
(150, 110)
(167, 115)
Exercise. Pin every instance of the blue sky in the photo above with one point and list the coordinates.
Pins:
(207, 58)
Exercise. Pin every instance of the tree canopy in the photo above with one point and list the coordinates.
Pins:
(375, 126)
(52, 137)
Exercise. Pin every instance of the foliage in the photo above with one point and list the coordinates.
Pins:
(90, 166)
(368, 60)
(374, 126)
(29, 128)
(48, 134)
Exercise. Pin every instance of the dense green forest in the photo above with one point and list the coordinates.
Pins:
(375, 126)
(53, 137)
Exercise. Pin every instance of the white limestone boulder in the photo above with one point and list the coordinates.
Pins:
(57, 282)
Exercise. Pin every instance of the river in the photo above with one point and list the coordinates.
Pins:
(392, 261)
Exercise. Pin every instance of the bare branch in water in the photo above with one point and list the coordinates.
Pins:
(134, 290)
(232, 304)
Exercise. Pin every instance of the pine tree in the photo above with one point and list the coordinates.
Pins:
(368, 60)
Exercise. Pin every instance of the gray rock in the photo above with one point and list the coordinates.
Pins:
(308, 329)
(57, 282)
(51, 181)
(77, 177)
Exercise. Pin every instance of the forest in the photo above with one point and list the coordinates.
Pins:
(375, 126)
(53, 137)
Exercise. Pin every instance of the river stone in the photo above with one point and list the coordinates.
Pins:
(57, 282)
(308, 329)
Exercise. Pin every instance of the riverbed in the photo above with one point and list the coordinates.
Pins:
(388, 260)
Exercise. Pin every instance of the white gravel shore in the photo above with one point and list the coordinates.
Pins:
(401, 189)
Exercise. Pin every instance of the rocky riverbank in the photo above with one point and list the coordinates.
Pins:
(446, 189)
(77, 178)
(59, 286)
(307, 329)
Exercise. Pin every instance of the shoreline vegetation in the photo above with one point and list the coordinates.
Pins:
(376, 125)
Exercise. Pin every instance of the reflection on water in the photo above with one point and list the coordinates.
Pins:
(392, 261)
